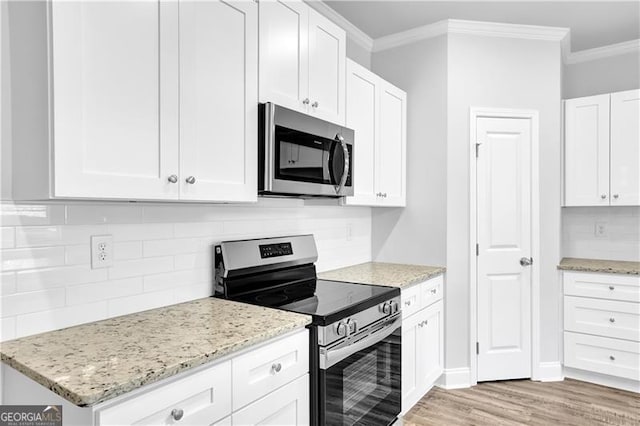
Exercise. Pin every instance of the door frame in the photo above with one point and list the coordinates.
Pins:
(533, 116)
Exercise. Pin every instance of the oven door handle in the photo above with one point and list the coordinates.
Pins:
(333, 356)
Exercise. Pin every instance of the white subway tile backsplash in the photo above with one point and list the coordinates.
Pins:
(30, 258)
(21, 303)
(7, 237)
(40, 279)
(163, 254)
(40, 322)
(87, 293)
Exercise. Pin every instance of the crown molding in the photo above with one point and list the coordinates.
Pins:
(353, 32)
(458, 26)
(631, 46)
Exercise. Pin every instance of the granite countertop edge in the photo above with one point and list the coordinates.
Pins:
(384, 274)
(600, 265)
(92, 399)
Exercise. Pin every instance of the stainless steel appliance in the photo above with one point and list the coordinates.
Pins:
(304, 156)
(355, 334)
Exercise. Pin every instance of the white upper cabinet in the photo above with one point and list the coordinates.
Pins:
(602, 150)
(149, 101)
(586, 151)
(218, 100)
(625, 148)
(108, 137)
(376, 111)
(302, 60)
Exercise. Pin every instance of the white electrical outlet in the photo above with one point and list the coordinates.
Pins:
(601, 231)
(101, 251)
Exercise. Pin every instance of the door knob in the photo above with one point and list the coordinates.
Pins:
(526, 261)
(191, 180)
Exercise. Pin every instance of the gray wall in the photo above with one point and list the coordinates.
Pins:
(502, 73)
(605, 75)
(417, 233)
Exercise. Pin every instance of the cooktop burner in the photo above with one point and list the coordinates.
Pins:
(324, 300)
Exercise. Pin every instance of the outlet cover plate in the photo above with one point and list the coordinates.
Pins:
(101, 251)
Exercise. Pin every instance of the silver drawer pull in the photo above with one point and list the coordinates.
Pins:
(612, 319)
(611, 287)
(276, 368)
(612, 358)
(177, 414)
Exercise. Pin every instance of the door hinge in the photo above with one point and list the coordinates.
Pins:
(477, 348)
(478, 148)
(477, 249)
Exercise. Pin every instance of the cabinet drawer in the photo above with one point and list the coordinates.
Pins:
(203, 397)
(603, 286)
(607, 318)
(614, 357)
(410, 297)
(287, 406)
(431, 291)
(264, 369)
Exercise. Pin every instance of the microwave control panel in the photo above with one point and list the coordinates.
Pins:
(275, 250)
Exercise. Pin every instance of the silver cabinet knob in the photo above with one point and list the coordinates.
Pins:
(315, 104)
(612, 358)
(603, 196)
(526, 261)
(191, 180)
(172, 178)
(276, 367)
(177, 414)
(612, 320)
(611, 287)
(407, 303)
(615, 196)
(434, 290)
(423, 323)
(305, 101)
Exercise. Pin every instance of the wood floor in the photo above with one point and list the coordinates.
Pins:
(523, 402)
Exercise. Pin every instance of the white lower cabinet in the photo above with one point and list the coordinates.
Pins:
(602, 328)
(288, 405)
(422, 341)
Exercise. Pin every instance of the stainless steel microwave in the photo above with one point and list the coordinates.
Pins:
(303, 156)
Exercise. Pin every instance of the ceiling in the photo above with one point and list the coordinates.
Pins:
(592, 23)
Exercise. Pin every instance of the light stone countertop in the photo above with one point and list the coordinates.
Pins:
(91, 363)
(599, 265)
(385, 274)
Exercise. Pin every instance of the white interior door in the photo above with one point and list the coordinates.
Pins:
(504, 239)
(625, 148)
(115, 99)
(363, 111)
(392, 145)
(218, 100)
(586, 151)
(284, 53)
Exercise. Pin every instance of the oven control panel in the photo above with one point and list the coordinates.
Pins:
(275, 250)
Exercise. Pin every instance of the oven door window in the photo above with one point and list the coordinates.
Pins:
(364, 389)
(303, 157)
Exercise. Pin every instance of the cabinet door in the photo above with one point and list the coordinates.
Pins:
(363, 116)
(288, 405)
(284, 54)
(411, 355)
(115, 106)
(431, 362)
(391, 152)
(218, 100)
(586, 151)
(625, 148)
(327, 72)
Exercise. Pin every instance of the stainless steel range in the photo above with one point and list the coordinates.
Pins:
(354, 336)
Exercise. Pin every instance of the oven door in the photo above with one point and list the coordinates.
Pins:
(360, 381)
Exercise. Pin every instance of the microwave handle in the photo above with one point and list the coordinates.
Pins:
(345, 172)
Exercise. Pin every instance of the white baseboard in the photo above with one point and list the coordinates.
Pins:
(602, 379)
(455, 378)
(550, 372)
